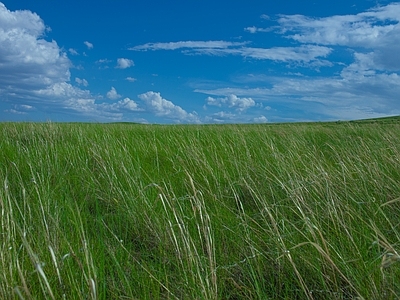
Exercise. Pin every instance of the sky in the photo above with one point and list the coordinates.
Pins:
(187, 61)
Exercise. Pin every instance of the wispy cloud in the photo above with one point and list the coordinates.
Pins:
(221, 117)
(366, 29)
(73, 51)
(366, 86)
(187, 44)
(103, 61)
(303, 53)
(376, 30)
(88, 44)
(130, 79)
(352, 95)
(20, 109)
(254, 29)
(81, 81)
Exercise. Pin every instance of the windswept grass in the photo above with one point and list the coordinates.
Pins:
(127, 211)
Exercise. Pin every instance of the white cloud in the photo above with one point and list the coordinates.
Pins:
(81, 81)
(14, 111)
(103, 61)
(25, 107)
(165, 108)
(112, 94)
(254, 29)
(188, 44)
(224, 115)
(28, 62)
(125, 104)
(128, 104)
(19, 20)
(232, 101)
(130, 79)
(88, 44)
(303, 53)
(261, 119)
(364, 29)
(20, 109)
(61, 90)
(352, 95)
(104, 111)
(35, 76)
(123, 63)
(368, 84)
(377, 30)
(73, 51)
(221, 117)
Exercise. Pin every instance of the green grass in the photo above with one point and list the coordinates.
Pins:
(129, 211)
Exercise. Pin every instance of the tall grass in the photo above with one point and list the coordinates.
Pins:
(124, 211)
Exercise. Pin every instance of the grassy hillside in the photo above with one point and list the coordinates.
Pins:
(127, 211)
(384, 120)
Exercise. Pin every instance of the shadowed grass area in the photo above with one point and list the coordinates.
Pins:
(129, 211)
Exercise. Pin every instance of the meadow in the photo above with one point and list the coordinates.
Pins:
(129, 211)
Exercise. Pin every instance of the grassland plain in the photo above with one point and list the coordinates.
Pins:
(127, 211)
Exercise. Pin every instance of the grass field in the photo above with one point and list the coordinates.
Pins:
(127, 211)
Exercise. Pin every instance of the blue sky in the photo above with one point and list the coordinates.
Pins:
(199, 61)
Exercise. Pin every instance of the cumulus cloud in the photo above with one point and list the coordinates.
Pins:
(165, 108)
(35, 77)
(88, 44)
(28, 62)
(125, 104)
(128, 104)
(112, 94)
(105, 111)
(261, 119)
(231, 101)
(123, 63)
